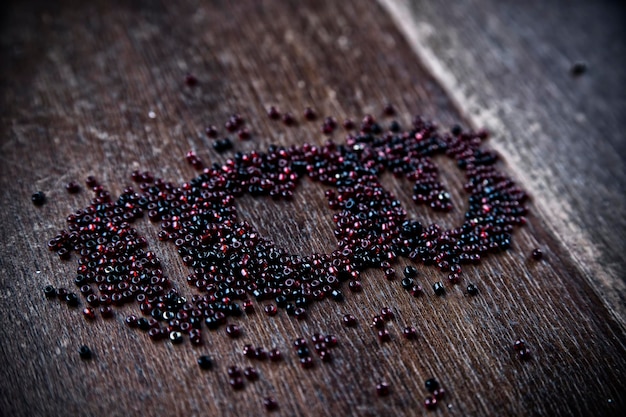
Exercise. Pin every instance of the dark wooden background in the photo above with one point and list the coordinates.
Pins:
(80, 80)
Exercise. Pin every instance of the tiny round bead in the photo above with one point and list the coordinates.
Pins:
(49, 291)
(260, 354)
(410, 332)
(233, 371)
(275, 355)
(472, 289)
(270, 309)
(251, 373)
(299, 342)
(273, 113)
(72, 187)
(233, 330)
(410, 272)
(306, 362)
(176, 338)
(38, 198)
(387, 313)
(382, 389)
(430, 402)
(383, 335)
(236, 383)
(84, 352)
(439, 393)
(106, 312)
(355, 286)
(310, 114)
(438, 288)
(524, 354)
(519, 344)
(431, 384)
(205, 362)
(270, 403)
(89, 313)
(378, 322)
(537, 254)
(330, 340)
(349, 320)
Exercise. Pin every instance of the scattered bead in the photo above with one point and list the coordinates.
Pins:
(275, 355)
(410, 333)
(205, 362)
(72, 187)
(309, 114)
(49, 291)
(383, 389)
(251, 373)
(472, 289)
(430, 403)
(349, 320)
(537, 254)
(270, 403)
(39, 198)
(84, 352)
(176, 338)
(191, 80)
(384, 336)
(233, 330)
(270, 309)
(578, 69)
(89, 313)
(306, 362)
(438, 288)
(439, 393)
(431, 384)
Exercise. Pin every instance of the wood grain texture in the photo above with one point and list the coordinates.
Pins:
(507, 67)
(78, 84)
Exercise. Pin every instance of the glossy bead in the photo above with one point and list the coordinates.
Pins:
(84, 352)
(49, 291)
(430, 403)
(410, 271)
(387, 314)
(270, 309)
(438, 288)
(383, 335)
(519, 344)
(349, 320)
(72, 299)
(251, 373)
(537, 254)
(236, 383)
(106, 312)
(131, 321)
(155, 334)
(439, 393)
(270, 403)
(275, 355)
(355, 286)
(260, 354)
(233, 371)
(431, 384)
(176, 338)
(378, 322)
(233, 331)
(205, 362)
(472, 289)
(383, 389)
(306, 362)
(410, 333)
(38, 198)
(310, 114)
(248, 351)
(273, 113)
(89, 313)
(72, 187)
(330, 340)
(524, 354)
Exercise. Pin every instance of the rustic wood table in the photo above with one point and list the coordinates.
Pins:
(98, 88)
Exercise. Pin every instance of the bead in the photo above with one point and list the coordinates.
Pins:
(355, 286)
(537, 254)
(270, 403)
(176, 338)
(251, 373)
(270, 309)
(233, 331)
(275, 355)
(410, 333)
(260, 354)
(233, 371)
(89, 313)
(431, 384)
(410, 272)
(306, 362)
(430, 403)
(309, 114)
(106, 312)
(72, 187)
(49, 291)
(439, 393)
(383, 389)
(519, 344)
(472, 289)
(378, 322)
(349, 320)
(439, 289)
(38, 198)
(383, 335)
(72, 299)
(387, 313)
(236, 383)
(84, 352)
(205, 362)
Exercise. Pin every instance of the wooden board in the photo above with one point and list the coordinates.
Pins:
(99, 89)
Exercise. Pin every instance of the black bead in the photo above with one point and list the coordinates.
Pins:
(84, 352)
(410, 272)
(337, 295)
(472, 289)
(205, 362)
(38, 198)
(439, 288)
(431, 384)
(49, 291)
(71, 299)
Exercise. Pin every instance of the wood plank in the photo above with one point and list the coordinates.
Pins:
(79, 83)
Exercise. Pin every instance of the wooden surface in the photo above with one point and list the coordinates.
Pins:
(78, 84)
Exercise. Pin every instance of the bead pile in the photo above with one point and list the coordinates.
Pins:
(230, 263)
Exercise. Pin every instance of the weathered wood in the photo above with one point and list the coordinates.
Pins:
(79, 82)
